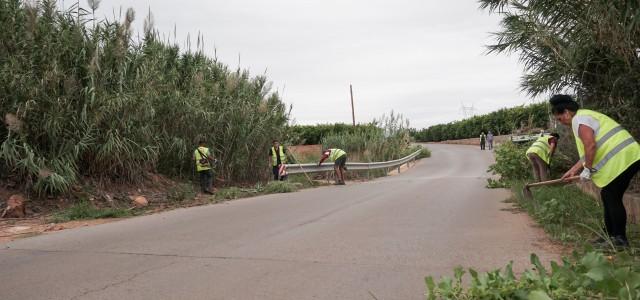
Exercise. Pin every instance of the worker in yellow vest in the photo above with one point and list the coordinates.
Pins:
(277, 159)
(204, 162)
(609, 156)
(540, 153)
(339, 157)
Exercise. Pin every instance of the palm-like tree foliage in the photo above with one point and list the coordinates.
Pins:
(590, 48)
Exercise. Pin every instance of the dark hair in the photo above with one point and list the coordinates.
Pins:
(555, 135)
(560, 103)
(202, 142)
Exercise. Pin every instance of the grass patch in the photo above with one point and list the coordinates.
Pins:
(181, 192)
(302, 181)
(231, 193)
(275, 187)
(565, 212)
(85, 211)
(272, 187)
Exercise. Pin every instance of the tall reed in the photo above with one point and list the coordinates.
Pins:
(80, 97)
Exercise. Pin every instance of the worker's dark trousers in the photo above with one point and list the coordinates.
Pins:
(206, 180)
(615, 215)
(276, 173)
(539, 166)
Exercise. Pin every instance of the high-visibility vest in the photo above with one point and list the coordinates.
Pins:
(283, 157)
(542, 148)
(616, 149)
(335, 154)
(197, 156)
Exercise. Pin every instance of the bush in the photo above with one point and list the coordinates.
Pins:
(85, 210)
(313, 134)
(511, 163)
(387, 139)
(503, 121)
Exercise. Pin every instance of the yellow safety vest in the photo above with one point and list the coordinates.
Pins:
(283, 157)
(542, 148)
(335, 154)
(197, 156)
(616, 149)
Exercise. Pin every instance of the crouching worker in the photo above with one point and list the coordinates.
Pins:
(540, 153)
(339, 157)
(204, 163)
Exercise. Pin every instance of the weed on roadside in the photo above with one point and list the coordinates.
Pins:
(85, 210)
(181, 192)
(274, 187)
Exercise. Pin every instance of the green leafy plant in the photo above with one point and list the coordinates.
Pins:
(587, 276)
(511, 163)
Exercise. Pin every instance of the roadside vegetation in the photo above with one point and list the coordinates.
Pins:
(589, 48)
(83, 98)
(85, 210)
(503, 121)
(571, 218)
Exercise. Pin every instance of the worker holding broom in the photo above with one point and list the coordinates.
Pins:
(278, 159)
(540, 153)
(609, 156)
(339, 157)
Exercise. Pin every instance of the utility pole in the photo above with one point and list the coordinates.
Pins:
(353, 114)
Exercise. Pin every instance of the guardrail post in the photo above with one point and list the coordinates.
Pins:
(399, 168)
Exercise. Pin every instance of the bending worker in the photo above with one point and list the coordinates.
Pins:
(609, 156)
(540, 154)
(339, 157)
(277, 158)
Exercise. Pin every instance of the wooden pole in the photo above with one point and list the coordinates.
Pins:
(353, 114)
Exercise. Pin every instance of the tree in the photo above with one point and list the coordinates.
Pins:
(590, 48)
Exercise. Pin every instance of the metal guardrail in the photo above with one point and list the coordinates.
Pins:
(522, 138)
(328, 166)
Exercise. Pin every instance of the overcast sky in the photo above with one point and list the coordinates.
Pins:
(420, 58)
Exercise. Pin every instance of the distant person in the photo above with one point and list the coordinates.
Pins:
(204, 163)
(339, 157)
(540, 153)
(610, 157)
(490, 140)
(277, 159)
(483, 139)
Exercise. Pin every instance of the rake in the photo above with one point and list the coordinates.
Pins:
(526, 191)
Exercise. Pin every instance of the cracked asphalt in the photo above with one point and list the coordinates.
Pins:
(373, 240)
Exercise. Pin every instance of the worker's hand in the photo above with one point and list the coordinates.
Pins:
(568, 175)
(585, 175)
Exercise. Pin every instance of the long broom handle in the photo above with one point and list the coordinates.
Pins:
(301, 168)
(555, 181)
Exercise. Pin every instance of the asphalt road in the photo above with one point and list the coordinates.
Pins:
(359, 241)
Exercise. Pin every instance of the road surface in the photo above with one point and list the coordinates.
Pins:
(359, 241)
